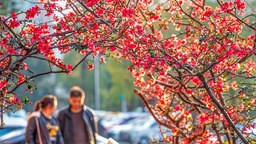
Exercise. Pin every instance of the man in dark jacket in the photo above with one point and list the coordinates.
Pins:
(77, 122)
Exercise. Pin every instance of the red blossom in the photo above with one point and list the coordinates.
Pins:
(253, 101)
(19, 105)
(219, 87)
(49, 7)
(242, 94)
(32, 12)
(3, 84)
(240, 4)
(14, 15)
(190, 91)
(21, 78)
(154, 17)
(207, 13)
(226, 7)
(90, 66)
(43, 47)
(102, 59)
(196, 80)
(234, 85)
(204, 118)
(14, 100)
(112, 49)
(177, 107)
(14, 23)
(128, 12)
(25, 66)
(70, 69)
(99, 11)
(118, 55)
(91, 3)
(175, 131)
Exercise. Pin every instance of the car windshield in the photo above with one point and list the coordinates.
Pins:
(7, 130)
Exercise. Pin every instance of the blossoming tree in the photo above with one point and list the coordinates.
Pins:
(202, 78)
(194, 63)
(75, 26)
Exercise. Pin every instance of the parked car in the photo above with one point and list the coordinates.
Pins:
(115, 131)
(14, 131)
(140, 129)
(147, 132)
(18, 114)
(151, 135)
(111, 120)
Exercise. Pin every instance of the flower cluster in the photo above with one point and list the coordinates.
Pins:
(193, 63)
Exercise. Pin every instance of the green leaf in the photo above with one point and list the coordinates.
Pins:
(25, 99)
(79, 47)
(152, 54)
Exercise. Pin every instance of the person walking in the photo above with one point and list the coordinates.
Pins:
(77, 122)
(42, 128)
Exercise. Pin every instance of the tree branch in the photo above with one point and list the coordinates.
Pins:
(222, 110)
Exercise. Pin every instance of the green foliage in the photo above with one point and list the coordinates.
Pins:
(115, 80)
(25, 99)
(4, 7)
(41, 86)
(79, 47)
(121, 84)
(8, 6)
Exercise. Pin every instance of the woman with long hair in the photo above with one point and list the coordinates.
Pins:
(42, 128)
